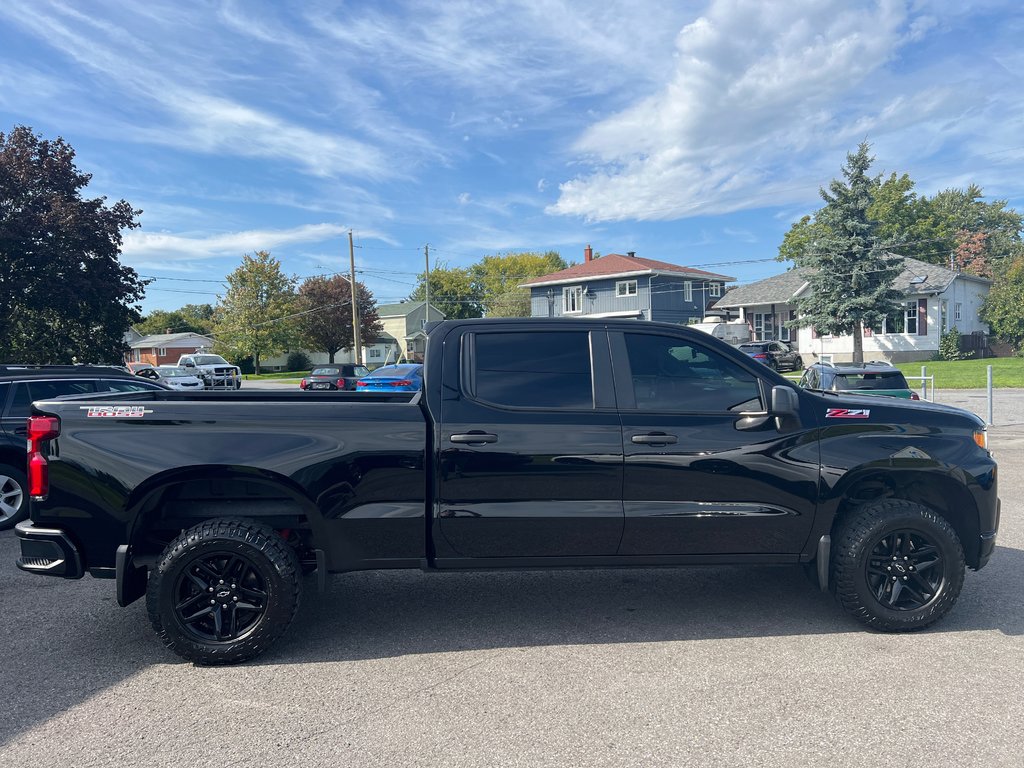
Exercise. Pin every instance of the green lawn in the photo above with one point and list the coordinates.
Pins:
(968, 374)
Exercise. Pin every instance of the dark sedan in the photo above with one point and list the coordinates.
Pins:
(333, 377)
(774, 354)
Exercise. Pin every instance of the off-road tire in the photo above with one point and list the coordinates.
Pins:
(184, 583)
(14, 495)
(897, 566)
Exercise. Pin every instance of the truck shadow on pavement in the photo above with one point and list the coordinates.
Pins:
(67, 642)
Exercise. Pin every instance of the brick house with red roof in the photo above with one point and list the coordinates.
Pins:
(626, 286)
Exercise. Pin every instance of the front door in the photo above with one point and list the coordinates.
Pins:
(700, 479)
(529, 449)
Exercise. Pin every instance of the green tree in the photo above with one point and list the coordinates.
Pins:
(1003, 309)
(325, 320)
(850, 274)
(64, 294)
(192, 318)
(498, 279)
(451, 290)
(254, 316)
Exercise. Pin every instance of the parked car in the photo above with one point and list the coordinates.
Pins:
(874, 378)
(404, 377)
(334, 377)
(173, 376)
(19, 386)
(774, 354)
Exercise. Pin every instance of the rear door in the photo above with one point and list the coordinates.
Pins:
(700, 477)
(529, 447)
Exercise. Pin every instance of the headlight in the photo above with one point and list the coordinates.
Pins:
(981, 438)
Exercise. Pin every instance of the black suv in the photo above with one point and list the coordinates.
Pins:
(872, 378)
(20, 385)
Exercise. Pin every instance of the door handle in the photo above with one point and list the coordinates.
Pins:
(655, 438)
(474, 438)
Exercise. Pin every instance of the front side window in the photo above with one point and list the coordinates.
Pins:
(531, 370)
(669, 374)
(625, 288)
(572, 299)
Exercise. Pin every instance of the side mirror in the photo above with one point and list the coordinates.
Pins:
(785, 401)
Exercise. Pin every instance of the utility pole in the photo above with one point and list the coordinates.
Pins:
(426, 257)
(356, 346)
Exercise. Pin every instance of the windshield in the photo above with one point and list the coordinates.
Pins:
(210, 360)
(396, 371)
(885, 380)
(170, 372)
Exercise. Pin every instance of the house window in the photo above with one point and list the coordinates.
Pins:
(764, 327)
(957, 312)
(374, 352)
(904, 321)
(625, 288)
(688, 290)
(137, 355)
(785, 330)
(714, 290)
(161, 352)
(572, 300)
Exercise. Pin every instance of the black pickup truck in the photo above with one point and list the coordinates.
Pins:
(534, 443)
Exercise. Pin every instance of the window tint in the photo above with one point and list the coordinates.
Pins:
(534, 370)
(123, 385)
(24, 393)
(669, 374)
(4, 389)
(882, 380)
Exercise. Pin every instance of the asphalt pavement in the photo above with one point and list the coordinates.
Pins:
(717, 666)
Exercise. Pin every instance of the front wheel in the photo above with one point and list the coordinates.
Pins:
(13, 496)
(897, 566)
(223, 591)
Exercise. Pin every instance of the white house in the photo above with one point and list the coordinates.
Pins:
(936, 300)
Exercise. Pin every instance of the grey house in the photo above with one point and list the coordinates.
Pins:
(936, 300)
(626, 286)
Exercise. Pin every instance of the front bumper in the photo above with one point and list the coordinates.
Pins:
(48, 552)
(988, 540)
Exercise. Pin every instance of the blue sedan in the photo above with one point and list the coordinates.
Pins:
(407, 377)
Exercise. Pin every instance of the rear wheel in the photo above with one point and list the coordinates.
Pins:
(897, 566)
(223, 591)
(13, 496)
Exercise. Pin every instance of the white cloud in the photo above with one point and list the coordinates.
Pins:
(155, 250)
(743, 125)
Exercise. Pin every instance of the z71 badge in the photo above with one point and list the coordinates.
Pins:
(847, 413)
(115, 411)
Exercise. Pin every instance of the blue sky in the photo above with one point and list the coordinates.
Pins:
(690, 132)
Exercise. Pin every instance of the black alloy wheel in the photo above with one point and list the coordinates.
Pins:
(905, 570)
(897, 565)
(223, 591)
(220, 597)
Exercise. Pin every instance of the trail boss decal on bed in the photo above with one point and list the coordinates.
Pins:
(115, 411)
(847, 413)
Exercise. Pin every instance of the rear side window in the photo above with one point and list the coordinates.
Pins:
(25, 393)
(123, 385)
(534, 370)
(5, 388)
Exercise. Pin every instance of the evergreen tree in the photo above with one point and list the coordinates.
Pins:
(850, 273)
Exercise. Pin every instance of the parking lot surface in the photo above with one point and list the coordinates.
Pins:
(708, 666)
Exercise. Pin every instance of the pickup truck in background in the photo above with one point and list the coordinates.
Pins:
(214, 370)
(533, 443)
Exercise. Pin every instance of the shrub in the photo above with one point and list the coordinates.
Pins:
(299, 361)
(949, 346)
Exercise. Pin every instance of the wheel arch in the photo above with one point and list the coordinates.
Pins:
(938, 489)
(189, 495)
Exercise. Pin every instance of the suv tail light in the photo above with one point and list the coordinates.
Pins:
(40, 429)
(760, 356)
